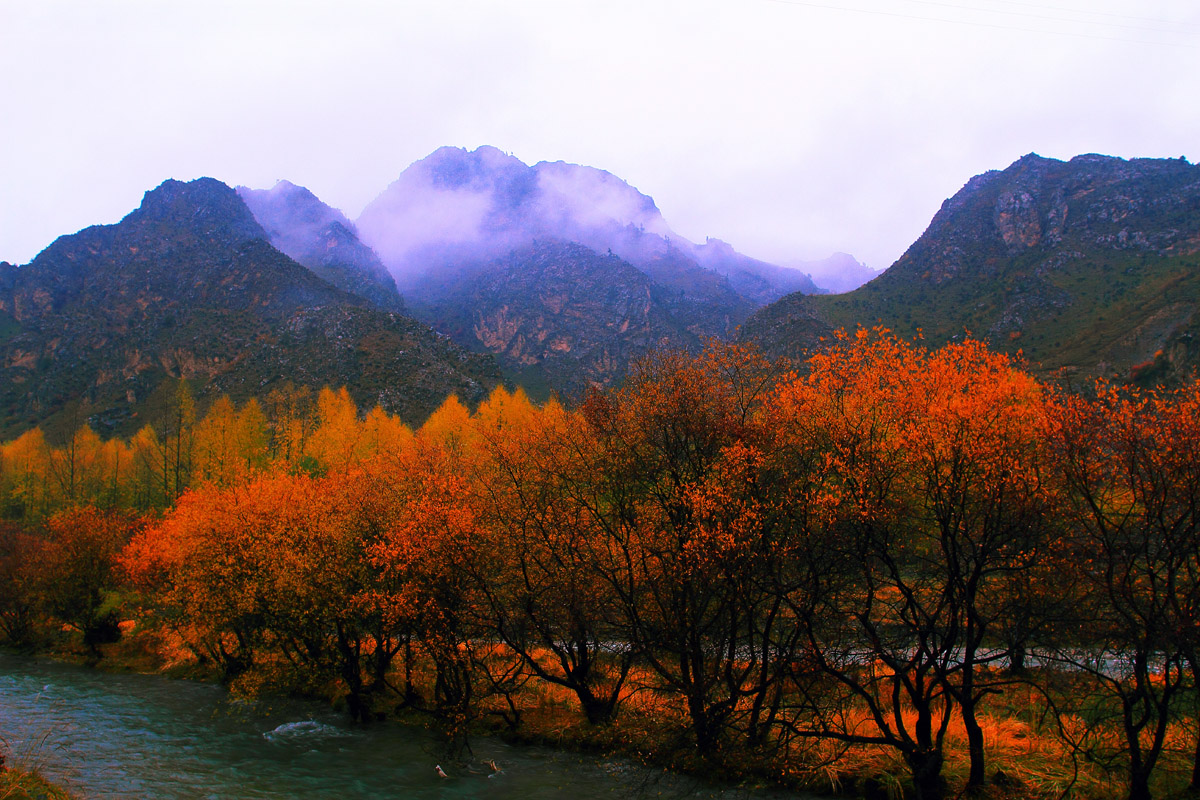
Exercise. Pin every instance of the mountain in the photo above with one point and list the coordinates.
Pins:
(558, 315)
(457, 206)
(323, 239)
(1089, 267)
(455, 222)
(839, 273)
(187, 285)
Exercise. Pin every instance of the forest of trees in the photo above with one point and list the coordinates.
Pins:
(873, 552)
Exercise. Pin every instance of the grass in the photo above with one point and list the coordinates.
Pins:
(19, 775)
(19, 784)
(1024, 757)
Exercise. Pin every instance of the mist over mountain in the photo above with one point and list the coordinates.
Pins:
(187, 285)
(837, 274)
(321, 238)
(458, 222)
(457, 206)
(1089, 267)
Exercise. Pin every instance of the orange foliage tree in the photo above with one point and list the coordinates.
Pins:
(916, 498)
(230, 443)
(541, 595)
(671, 453)
(275, 584)
(77, 573)
(20, 556)
(426, 556)
(24, 476)
(1131, 466)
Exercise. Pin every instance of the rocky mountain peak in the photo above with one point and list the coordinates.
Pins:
(486, 167)
(204, 207)
(1089, 201)
(586, 197)
(290, 214)
(458, 207)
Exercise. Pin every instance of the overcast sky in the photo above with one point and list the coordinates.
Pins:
(790, 129)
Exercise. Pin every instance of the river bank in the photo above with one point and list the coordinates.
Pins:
(119, 735)
(648, 735)
(19, 784)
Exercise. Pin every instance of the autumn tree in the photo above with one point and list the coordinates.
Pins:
(426, 556)
(912, 485)
(1131, 465)
(541, 595)
(164, 452)
(384, 434)
(289, 411)
(275, 577)
(77, 576)
(673, 449)
(872, 618)
(984, 506)
(24, 475)
(230, 443)
(20, 559)
(337, 439)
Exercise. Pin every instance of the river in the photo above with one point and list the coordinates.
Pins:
(143, 736)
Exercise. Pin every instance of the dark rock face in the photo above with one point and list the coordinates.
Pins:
(321, 238)
(560, 316)
(1088, 265)
(188, 286)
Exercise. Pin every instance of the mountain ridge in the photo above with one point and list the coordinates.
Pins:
(460, 206)
(187, 285)
(1087, 267)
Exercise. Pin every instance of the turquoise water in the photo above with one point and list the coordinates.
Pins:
(143, 736)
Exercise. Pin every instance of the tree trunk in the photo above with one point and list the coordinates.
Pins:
(967, 702)
(599, 711)
(976, 776)
(702, 724)
(1017, 656)
(926, 767)
(1194, 784)
(1139, 784)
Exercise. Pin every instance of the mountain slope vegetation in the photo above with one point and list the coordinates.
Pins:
(1090, 267)
(188, 286)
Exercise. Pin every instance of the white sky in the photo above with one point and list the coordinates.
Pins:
(789, 128)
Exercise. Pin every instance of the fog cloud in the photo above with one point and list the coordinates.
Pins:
(788, 129)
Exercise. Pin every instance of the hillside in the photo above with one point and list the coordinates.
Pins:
(187, 285)
(1089, 267)
(456, 223)
(560, 316)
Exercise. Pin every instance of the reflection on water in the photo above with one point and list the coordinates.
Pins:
(142, 736)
